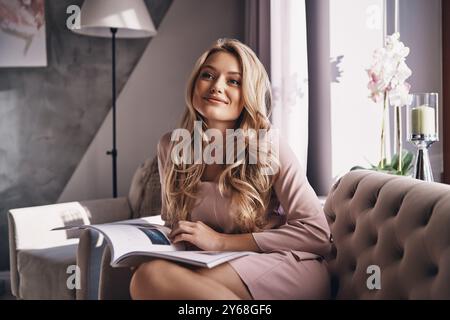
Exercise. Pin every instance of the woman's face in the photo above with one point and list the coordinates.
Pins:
(217, 92)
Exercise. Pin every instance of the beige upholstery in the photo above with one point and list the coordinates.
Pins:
(46, 269)
(401, 225)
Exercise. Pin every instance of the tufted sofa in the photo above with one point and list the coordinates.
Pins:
(389, 229)
(397, 224)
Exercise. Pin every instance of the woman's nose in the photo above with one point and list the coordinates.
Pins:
(215, 90)
(217, 86)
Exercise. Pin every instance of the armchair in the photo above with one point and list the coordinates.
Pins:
(40, 258)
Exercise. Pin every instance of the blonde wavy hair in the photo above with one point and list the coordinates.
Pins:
(250, 188)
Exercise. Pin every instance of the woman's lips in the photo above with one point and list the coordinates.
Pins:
(215, 101)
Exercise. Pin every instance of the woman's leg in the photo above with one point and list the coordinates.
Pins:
(162, 279)
(228, 277)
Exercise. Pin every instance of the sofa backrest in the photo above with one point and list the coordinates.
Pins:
(391, 237)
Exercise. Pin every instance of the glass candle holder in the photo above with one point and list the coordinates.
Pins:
(422, 130)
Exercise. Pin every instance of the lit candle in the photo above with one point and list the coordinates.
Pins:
(423, 120)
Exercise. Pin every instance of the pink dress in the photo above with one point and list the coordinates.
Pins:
(293, 244)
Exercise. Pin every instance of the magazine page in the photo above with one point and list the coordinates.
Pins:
(208, 259)
(131, 238)
(144, 221)
(151, 221)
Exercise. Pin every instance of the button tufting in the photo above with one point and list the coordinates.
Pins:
(401, 253)
(333, 253)
(351, 228)
(373, 202)
(374, 240)
(400, 205)
(426, 218)
(352, 193)
(433, 270)
(378, 193)
(332, 217)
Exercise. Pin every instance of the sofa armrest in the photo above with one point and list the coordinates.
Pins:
(114, 283)
(30, 228)
(98, 279)
(89, 259)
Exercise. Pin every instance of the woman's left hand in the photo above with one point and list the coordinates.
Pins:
(198, 234)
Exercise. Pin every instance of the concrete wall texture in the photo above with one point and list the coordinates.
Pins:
(49, 116)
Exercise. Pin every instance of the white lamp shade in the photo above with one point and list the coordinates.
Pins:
(130, 17)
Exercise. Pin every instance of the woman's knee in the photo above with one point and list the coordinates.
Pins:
(148, 280)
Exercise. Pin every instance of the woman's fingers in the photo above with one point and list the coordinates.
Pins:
(183, 237)
(181, 228)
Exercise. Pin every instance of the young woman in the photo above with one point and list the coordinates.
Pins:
(236, 206)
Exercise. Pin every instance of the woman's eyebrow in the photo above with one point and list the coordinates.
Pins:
(211, 67)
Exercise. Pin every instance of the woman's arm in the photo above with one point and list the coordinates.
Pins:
(306, 228)
(239, 242)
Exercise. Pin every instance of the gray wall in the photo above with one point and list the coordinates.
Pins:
(319, 138)
(152, 100)
(421, 31)
(49, 116)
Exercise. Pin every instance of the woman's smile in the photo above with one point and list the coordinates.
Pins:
(215, 100)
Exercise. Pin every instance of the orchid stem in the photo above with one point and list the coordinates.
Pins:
(383, 145)
(399, 137)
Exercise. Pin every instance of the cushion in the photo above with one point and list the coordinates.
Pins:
(145, 190)
(43, 272)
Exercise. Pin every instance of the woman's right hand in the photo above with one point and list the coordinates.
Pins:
(197, 234)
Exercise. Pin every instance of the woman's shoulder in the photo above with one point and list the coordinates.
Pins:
(288, 160)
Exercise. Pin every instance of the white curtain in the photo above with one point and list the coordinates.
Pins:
(289, 73)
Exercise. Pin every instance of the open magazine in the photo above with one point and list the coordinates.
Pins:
(133, 241)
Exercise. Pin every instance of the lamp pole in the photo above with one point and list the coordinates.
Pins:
(113, 152)
(105, 18)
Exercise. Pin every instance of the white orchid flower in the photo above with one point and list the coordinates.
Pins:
(389, 72)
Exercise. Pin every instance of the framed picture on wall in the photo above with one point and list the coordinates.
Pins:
(22, 33)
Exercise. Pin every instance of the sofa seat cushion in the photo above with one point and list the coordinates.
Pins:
(43, 272)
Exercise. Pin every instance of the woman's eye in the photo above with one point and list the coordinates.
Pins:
(235, 82)
(206, 75)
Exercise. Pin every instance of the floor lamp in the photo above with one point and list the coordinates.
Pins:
(115, 19)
